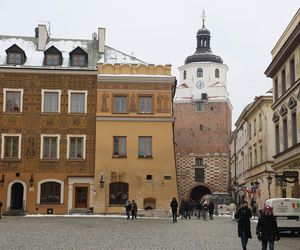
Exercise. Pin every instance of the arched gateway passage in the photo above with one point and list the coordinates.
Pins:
(198, 192)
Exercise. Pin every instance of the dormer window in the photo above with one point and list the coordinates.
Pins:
(53, 57)
(217, 73)
(199, 72)
(78, 57)
(15, 55)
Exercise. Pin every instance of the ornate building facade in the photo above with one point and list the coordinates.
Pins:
(203, 123)
(134, 138)
(285, 72)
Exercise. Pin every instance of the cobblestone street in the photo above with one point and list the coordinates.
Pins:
(119, 233)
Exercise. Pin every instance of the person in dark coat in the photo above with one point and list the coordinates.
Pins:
(253, 206)
(211, 208)
(174, 206)
(128, 209)
(187, 209)
(133, 210)
(266, 229)
(243, 215)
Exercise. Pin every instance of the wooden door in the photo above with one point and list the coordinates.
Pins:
(81, 194)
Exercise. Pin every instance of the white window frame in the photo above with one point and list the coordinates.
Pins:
(2, 144)
(38, 200)
(15, 90)
(59, 99)
(85, 92)
(68, 146)
(57, 147)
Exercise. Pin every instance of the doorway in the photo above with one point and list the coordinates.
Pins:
(198, 192)
(81, 194)
(16, 198)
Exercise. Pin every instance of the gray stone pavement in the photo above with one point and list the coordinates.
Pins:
(119, 233)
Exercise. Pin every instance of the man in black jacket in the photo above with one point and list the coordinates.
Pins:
(243, 216)
(266, 229)
(174, 206)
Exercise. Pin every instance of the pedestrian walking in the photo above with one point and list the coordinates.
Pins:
(253, 206)
(243, 216)
(174, 206)
(211, 208)
(205, 210)
(187, 208)
(266, 229)
(128, 209)
(133, 210)
(199, 209)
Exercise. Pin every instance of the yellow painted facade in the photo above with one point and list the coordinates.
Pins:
(148, 179)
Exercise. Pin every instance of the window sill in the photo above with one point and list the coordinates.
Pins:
(80, 160)
(70, 113)
(50, 113)
(52, 160)
(119, 156)
(145, 157)
(12, 113)
(10, 159)
(52, 205)
(145, 113)
(120, 113)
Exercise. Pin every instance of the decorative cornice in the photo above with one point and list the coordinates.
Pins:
(135, 119)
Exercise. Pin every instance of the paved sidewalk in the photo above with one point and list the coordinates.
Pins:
(92, 232)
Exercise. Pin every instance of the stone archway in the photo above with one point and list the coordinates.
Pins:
(197, 192)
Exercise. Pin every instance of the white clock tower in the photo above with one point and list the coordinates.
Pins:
(203, 76)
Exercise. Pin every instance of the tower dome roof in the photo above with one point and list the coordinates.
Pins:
(203, 52)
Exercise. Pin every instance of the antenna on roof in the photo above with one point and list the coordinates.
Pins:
(49, 26)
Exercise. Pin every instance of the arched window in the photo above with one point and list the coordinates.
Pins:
(217, 73)
(200, 72)
(50, 193)
(184, 75)
(149, 203)
(118, 193)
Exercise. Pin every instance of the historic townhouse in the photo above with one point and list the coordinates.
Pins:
(251, 153)
(134, 138)
(47, 121)
(203, 123)
(285, 72)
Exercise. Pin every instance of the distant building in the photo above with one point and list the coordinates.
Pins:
(203, 123)
(251, 151)
(285, 72)
(134, 138)
(48, 98)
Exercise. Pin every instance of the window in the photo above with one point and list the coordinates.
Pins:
(145, 104)
(249, 131)
(217, 73)
(254, 126)
(118, 193)
(294, 128)
(13, 100)
(15, 58)
(76, 146)
(255, 157)
(78, 60)
(184, 75)
(201, 127)
(149, 177)
(145, 146)
(277, 139)
(250, 160)
(283, 81)
(285, 134)
(292, 71)
(50, 147)
(199, 174)
(52, 60)
(120, 146)
(200, 72)
(260, 122)
(11, 146)
(50, 193)
(77, 101)
(199, 106)
(51, 101)
(276, 89)
(199, 162)
(261, 153)
(120, 104)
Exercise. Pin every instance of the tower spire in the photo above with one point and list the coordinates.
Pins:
(203, 18)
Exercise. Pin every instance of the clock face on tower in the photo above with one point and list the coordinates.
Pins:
(200, 84)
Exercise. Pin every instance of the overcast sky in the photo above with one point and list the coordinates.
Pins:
(243, 32)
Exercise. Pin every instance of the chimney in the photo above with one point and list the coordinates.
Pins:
(42, 36)
(101, 39)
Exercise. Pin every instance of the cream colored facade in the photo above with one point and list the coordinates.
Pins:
(252, 148)
(285, 72)
(148, 177)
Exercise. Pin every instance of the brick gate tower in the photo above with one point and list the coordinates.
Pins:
(203, 122)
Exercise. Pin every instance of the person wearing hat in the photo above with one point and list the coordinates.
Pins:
(266, 229)
(243, 215)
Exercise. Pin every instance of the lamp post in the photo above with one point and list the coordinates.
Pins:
(2, 181)
(31, 180)
(102, 181)
(269, 180)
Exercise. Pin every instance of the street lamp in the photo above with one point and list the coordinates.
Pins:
(102, 181)
(269, 180)
(31, 180)
(2, 181)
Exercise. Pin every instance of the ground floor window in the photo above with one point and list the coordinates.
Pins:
(118, 193)
(50, 193)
